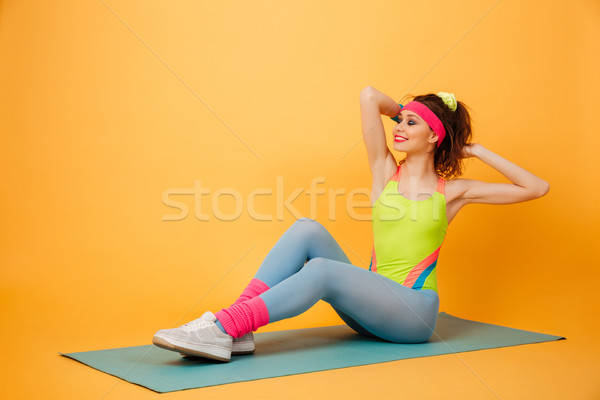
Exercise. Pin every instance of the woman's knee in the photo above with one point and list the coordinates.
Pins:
(318, 271)
(309, 225)
(316, 266)
(310, 230)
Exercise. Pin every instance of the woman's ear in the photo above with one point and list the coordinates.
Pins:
(433, 138)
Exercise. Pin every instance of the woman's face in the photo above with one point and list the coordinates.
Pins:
(412, 133)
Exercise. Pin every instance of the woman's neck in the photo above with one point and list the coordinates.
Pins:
(418, 168)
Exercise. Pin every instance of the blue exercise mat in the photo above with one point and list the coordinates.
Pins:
(295, 352)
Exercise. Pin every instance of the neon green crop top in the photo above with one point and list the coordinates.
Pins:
(408, 235)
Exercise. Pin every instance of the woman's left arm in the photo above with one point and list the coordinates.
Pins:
(526, 186)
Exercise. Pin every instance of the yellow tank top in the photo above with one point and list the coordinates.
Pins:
(408, 235)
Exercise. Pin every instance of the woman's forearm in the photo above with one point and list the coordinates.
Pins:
(517, 175)
(387, 105)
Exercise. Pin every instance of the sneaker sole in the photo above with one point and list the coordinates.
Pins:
(244, 348)
(206, 351)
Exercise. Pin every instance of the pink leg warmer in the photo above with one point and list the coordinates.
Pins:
(242, 318)
(254, 288)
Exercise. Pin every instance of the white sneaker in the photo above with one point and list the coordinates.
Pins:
(241, 345)
(200, 338)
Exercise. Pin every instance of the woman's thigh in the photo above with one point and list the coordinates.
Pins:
(378, 305)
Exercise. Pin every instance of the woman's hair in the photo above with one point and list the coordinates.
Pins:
(448, 159)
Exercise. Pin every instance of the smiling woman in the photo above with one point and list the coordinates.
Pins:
(433, 131)
(418, 120)
(396, 299)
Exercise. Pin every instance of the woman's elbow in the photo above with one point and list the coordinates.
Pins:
(543, 190)
(367, 91)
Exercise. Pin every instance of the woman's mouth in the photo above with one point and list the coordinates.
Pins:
(398, 138)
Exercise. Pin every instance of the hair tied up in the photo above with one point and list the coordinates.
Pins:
(449, 100)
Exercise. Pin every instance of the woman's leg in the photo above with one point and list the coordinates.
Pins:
(304, 240)
(370, 301)
(383, 307)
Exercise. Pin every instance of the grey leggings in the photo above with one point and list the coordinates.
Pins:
(307, 265)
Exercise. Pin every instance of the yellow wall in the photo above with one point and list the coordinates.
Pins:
(107, 106)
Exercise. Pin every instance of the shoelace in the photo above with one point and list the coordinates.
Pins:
(196, 324)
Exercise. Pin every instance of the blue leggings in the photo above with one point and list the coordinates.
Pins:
(307, 265)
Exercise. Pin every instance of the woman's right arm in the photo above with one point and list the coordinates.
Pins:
(382, 163)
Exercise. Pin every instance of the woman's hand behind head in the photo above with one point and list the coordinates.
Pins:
(470, 150)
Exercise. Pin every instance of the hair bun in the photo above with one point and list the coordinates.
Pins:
(448, 99)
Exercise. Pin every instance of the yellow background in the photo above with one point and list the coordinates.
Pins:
(108, 105)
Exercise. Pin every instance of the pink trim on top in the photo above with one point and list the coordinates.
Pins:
(396, 176)
(429, 117)
(373, 260)
(414, 273)
(441, 186)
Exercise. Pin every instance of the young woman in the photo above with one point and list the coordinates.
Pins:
(413, 202)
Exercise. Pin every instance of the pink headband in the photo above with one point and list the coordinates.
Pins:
(428, 116)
